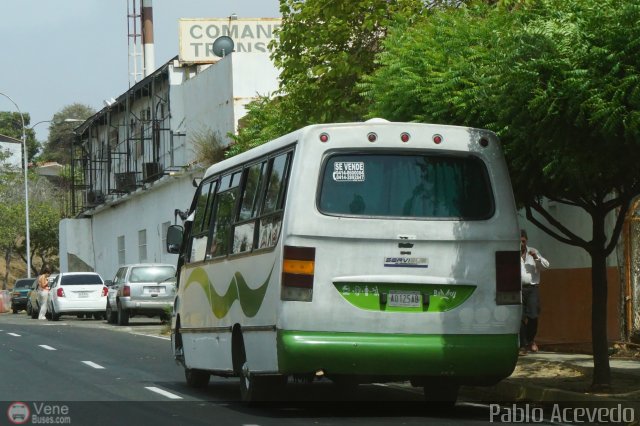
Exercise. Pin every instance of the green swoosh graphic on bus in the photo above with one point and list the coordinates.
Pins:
(250, 299)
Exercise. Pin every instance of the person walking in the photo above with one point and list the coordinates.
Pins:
(43, 291)
(531, 263)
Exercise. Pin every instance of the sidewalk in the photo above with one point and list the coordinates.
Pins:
(549, 377)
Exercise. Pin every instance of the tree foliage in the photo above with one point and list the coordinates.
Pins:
(322, 50)
(11, 215)
(61, 136)
(324, 46)
(11, 125)
(559, 81)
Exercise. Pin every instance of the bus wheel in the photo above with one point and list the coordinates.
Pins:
(196, 378)
(442, 396)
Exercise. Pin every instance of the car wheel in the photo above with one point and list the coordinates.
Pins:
(34, 313)
(53, 315)
(29, 308)
(196, 378)
(14, 310)
(112, 317)
(123, 315)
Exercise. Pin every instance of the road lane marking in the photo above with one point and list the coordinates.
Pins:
(47, 347)
(151, 335)
(93, 364)
(14, 334)
(163, 392)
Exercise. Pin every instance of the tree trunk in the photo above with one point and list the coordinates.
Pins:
(7, 262)
(600, 343)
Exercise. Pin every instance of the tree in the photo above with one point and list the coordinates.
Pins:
(44, 217)
(61, 136)
(11, 125)
(11, 214)
(323, 48)
(266, 119)
(559, 81)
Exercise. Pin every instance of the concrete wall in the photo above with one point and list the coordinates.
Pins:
(95, 239)
(76, 245)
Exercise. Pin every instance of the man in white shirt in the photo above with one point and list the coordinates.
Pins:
(531, 263)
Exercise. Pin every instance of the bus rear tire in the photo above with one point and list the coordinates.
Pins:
(196, 378)
(441, 396)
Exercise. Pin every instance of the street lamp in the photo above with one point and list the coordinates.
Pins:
(26, 186)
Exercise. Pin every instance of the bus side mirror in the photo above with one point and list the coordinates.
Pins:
(174, 238)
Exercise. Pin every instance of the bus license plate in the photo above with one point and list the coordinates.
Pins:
(409, 299)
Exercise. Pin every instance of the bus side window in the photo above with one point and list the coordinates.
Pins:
(244, 231)
(201, 221)
(275, 185)
(225, 212)
(271, 217)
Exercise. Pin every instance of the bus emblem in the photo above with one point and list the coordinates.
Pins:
(406, 262)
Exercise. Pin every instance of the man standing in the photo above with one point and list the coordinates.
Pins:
(531, 263)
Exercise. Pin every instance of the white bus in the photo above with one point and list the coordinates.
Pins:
(358, 252)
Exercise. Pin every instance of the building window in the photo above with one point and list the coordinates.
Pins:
(121, 251)
(142, 245)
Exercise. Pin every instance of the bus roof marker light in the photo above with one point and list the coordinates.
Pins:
(437, 139)
(372, 137)
(324, 137)
(484, 142)
(404, 137)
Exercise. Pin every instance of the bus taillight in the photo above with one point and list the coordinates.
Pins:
(508, 278)
(298, 266)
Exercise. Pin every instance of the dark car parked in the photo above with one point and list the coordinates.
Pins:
(20, 294)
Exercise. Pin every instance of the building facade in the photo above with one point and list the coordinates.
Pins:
(135, 161)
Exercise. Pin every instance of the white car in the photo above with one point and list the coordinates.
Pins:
(76, 293)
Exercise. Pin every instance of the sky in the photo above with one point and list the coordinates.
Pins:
(58, 52)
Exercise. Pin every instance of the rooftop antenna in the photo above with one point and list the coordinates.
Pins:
(136, 65)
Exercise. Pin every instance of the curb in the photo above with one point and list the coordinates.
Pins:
(516, 392)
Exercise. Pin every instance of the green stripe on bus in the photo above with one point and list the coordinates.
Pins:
(442, 297)
(238, 289)
(469, 356)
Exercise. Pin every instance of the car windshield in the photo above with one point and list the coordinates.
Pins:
(81, 279)
(151, 274)
(406, 186)
(23, 284)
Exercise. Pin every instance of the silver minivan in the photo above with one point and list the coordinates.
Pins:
(141, 289)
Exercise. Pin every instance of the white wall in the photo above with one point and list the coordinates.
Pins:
(76, 238)
(143, 209)
(14, 151)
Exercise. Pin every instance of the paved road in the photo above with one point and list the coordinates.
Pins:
(105, 374)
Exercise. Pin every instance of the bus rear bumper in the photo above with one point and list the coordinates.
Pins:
(463, 358)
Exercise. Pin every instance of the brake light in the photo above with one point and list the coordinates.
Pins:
(60, 292)
(298, 267)
(15, 294)
(126, 291)
(508, 289)
(105, 291)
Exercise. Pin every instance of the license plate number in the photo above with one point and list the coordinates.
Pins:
(154, 290)
(83, 294)
(404, 298)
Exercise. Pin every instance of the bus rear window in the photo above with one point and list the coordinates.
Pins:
(408, 186)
